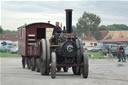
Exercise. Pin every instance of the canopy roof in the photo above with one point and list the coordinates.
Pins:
(25, 26)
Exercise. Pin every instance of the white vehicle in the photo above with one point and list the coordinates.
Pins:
(126, 51)
(90, 48)
(14, 50)
(97, 48)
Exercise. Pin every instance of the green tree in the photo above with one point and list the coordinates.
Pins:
(117, 27)
(97, 35)
(1, 30)
(102, 27)
(114, 27)
(88, 24)
(10, 31)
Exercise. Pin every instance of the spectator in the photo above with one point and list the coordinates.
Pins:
(120, 53)
(123, 54)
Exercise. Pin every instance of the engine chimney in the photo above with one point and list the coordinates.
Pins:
(69, 20)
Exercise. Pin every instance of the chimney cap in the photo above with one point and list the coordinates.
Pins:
(68, 10)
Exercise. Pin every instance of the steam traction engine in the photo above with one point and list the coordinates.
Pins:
(64, 50)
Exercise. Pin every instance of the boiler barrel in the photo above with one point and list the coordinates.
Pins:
(69, 20)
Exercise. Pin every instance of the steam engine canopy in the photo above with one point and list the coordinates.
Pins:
(69, 48)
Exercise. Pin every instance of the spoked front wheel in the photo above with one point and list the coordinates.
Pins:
(47, 57)
(85, 66)
(53, 65)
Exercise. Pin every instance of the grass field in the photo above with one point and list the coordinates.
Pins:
(98, 55)
(8, 54)
(3, 54)
(95, 54)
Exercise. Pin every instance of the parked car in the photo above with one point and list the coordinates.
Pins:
(9, 47)
(3, 49)
(5, 46)
(90, 48)
(111, 48)
(14, 50)
(97, 48)
(126, 51)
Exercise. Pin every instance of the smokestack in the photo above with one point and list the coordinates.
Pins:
(69, 20)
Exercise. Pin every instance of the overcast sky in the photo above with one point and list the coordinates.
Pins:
(16, 13)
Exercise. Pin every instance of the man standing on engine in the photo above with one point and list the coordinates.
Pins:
(55, 34)
(57, 29)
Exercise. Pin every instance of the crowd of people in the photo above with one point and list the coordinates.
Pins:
(120, 53)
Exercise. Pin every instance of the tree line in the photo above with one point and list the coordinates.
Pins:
(6, 31)
(114, 27)
(89, 24)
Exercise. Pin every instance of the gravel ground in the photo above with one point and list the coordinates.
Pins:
(101, 72)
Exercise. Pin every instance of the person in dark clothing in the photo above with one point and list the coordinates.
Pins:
(55, 34)
(123, 54)
(57, 29)
(119, 53)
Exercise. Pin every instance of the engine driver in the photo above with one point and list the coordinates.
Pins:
(57, 29)
(55, 34)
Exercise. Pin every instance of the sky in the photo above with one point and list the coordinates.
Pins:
(17, 12)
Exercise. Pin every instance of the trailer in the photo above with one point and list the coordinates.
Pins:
(29, 37)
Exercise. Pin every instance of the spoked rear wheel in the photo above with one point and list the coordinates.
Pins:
(28, 62)
(33, 63)
(37, 65)
(23, 61)
(53, 65)
(85, 66)
(47, 57)
(43, 57)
